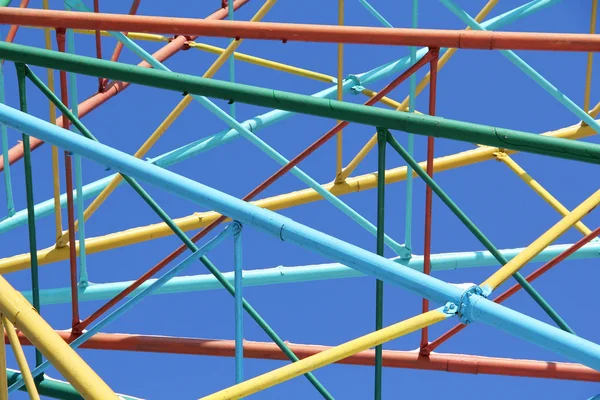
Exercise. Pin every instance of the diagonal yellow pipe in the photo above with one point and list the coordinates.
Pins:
(20, 313)
(329, 356)
(21, 360)
(542, 242)
(540, 190)
(162, 128)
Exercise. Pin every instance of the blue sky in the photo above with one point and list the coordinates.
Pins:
(475, 86)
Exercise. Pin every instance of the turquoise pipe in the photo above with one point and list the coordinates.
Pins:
(10, 205)
(472, 307)
(262, 121)
(308, 273)
(375, 13)
(78, 197)
(239, 306)
(528, 70)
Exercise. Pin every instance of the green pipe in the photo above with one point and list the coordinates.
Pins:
(35, 282)
(53, 388)
(381, 144)
(411, 123)
(475, 231)
(178, 231)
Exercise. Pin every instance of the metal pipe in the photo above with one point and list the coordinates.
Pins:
(303, 32)
(453, 363)
(382, 143)
(418, 124)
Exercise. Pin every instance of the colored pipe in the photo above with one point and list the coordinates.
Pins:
(454, 363)
(382, 138)
(35, 285)
(90, 104)
(515, 288)
(304, 33)
(21, 359)
(474, 307)
(239, 307)
(328, 356)
(418, 124)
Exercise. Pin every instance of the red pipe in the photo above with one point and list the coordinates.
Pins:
(98, 43)
(482, 40)
(309, 150)
(64, 94)
(458, 363)
(433, 67)
(515, 288)
(16, 153)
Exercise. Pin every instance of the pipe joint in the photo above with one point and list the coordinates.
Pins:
(236, 228)
(467, 299)
(357, 88)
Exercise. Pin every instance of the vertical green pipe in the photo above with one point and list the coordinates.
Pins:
(477, 233)
(381, 143)
(411, 138)
(10, 205)
(35, 285)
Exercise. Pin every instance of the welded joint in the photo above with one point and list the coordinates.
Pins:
(500, 154)
(357, 88)
(467, 299)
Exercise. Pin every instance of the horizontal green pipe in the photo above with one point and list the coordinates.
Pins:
(417, 124)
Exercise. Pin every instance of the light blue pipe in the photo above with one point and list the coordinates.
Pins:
(375, 13)
(73, 99)
(258, 142)
(134, 300)
(93, 189)
(10, 205)
(528, 70)
(239, 308)
(471, 307)
(408, 213)
(282, 275)
(514, 323)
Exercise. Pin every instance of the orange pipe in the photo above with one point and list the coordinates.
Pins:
(177, 44)
(12, 32)
(465, 364)
(305, 33)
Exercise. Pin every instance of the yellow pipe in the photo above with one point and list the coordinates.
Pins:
(3, 377)
(21, 360)
(329, 356)
(340, 92)
(162, 128)
(590, 60)
(55, 166)
(67, 362)
(404, 105)
(287, 200)
(540, 190)
(542, 242)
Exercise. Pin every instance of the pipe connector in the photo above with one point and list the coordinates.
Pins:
(236, 228)
(357, 88)
(467, 299)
